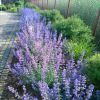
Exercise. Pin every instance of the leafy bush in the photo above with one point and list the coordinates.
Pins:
(13, 9)
(3, 7)
(8, 6)
(19, 3)
(31, 5)
(73, 27)
(52, 15)
(93, 70)
(77, 48)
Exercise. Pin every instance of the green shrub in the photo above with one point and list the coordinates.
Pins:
(3, 7)
(19, 3)
(77, 48)
(73, 28)
(93, 70)
(8, 6)
(14, 9)
(31, 5)
(52, 15)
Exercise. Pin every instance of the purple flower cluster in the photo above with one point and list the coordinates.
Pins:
(41, 62)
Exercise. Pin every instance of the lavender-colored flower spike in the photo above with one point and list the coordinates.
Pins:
(44, 90)
(89, 91)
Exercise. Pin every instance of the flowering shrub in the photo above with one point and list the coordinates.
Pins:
(40, 63)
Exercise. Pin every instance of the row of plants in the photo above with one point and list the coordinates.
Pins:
(17, 5)
(79, 38)
(40, 66)
(12, 7)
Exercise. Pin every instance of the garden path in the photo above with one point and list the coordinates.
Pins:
(8, 28)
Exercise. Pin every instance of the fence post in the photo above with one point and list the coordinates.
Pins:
(69, 1)
(35, 1)
(96, 24)
(55, 4)
(42, 4)
(38, 2)
(47, 3)
(24, 3)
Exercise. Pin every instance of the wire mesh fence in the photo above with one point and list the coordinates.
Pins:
(86, 9)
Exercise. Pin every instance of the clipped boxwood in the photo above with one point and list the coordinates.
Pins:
(73, 27)
(93, 70)
(52, 15)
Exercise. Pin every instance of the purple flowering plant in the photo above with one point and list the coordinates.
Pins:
(40, 63)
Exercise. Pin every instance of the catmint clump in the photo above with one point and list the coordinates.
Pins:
(40, 63)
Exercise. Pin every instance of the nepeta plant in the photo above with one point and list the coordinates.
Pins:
(41, 64)
(37, 51)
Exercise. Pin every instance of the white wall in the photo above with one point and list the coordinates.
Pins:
(0, 2)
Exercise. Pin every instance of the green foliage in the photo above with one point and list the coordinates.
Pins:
(19, 3)
(3, 7)
(13, 9)
(49, 76)
(52, 15)
(73, 28)
(27, 79)
(77, 48)
(9, 6)
(31, 5)
(93, 70)
(78, 35)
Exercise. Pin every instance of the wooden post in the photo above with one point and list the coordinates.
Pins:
(47, 3)
(38, 2)
(55, 4)
(42, 4)
(35, 2)
(24, 3)
(69, 1)
(96, 24)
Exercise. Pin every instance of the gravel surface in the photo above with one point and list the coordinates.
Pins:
(8, 26)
